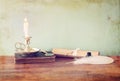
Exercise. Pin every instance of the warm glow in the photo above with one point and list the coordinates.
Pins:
(26, 24)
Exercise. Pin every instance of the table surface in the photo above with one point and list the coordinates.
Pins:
(60, 70)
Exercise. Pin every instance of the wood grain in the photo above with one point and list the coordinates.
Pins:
(61, 70)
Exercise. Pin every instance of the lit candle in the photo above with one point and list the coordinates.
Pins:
(26, 24)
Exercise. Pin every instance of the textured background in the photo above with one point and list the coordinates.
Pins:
(84, 24)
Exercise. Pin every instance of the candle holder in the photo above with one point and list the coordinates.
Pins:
(27, 44)
(24, 49)
(21, 47)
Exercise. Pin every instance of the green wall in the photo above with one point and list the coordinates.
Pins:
(84, 24)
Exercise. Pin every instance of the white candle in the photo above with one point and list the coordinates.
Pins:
(26, 25)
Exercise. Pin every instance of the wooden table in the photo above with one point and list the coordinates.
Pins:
(61, 70)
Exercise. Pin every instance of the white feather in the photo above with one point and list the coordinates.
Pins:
(94, 60)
